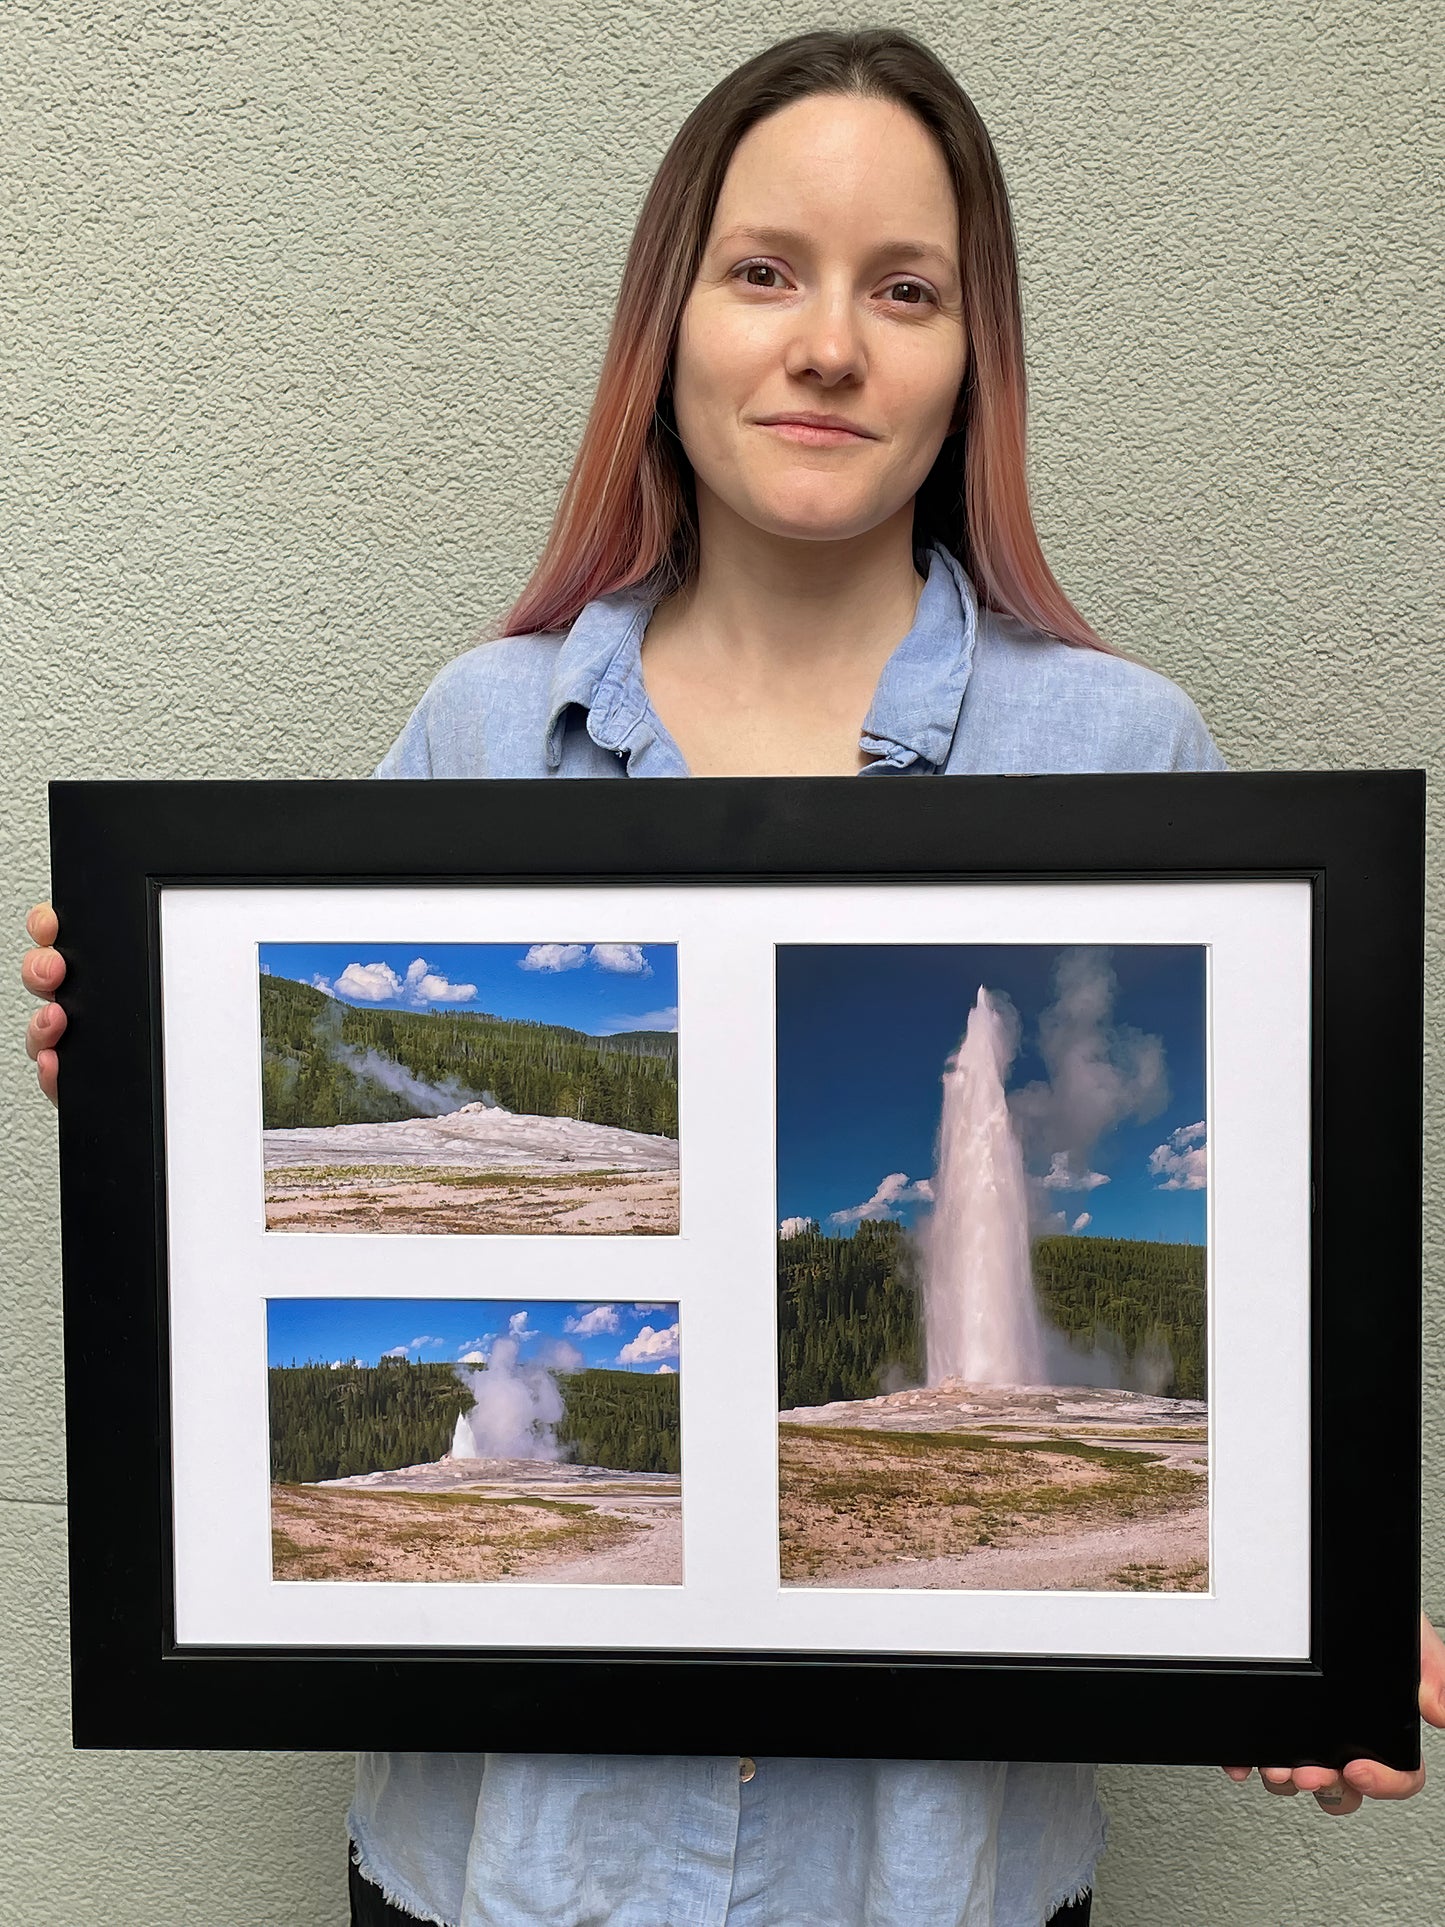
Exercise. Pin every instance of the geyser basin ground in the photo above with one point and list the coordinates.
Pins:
(1033, 1488)
(479, 1169)
(483, 1519)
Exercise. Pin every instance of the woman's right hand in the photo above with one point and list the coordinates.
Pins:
(42, 971)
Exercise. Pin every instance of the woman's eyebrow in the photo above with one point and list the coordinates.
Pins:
(790, 237)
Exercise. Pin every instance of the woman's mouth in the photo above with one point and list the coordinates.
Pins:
(812, 435)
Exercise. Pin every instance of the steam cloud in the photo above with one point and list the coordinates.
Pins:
(1107, 1362)
(426, 1098)
(1099, 1073)
(517, 1405)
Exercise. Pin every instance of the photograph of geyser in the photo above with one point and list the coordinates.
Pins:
(991, 1184)
(474, 1439)
(469, 1087)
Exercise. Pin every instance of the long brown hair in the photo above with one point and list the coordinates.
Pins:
(628, 511)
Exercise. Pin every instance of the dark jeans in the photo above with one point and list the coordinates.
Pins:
(370, 1907)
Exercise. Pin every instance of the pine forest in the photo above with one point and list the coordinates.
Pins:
(849, 1323)
(325, 1062)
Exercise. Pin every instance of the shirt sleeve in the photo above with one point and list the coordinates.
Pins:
(410, 755)
(1193, 747)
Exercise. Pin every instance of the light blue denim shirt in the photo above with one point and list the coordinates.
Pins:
(559, 1840)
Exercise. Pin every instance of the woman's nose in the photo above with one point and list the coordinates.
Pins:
(827, 340)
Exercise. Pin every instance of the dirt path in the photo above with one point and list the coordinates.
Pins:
(652, 1558)
(312, 1198)
(445, 1523)
(1008, 1488)
(1135, 1555)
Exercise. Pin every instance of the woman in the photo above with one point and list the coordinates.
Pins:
(796, 540)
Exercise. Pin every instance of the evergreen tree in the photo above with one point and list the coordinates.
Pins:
(319, 1064)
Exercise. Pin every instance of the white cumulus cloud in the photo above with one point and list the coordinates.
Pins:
(895, 1189)
(668, 1370)
(601, 1318)
(473, 1358)
(1084, 1219)
(625, 958)
(397, 1351)
(425, 986)
(554, 956)
(371, 983)
(649, 1344)
(517, 1326)
(1182, 1159)
(790, 1227)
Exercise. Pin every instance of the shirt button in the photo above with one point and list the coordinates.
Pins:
(746, 1768)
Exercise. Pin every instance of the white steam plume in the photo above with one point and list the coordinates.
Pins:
(517, 1405)
(427, 1099)
(1106, 1361)
(1099, 1073)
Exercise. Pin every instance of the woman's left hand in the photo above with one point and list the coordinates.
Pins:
(1366, 1779)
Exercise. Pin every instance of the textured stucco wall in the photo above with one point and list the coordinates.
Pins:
(305, 304)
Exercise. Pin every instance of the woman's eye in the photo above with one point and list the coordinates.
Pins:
(925, 293)
(748, 269)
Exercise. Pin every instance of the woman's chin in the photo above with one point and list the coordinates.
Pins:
(815, 522)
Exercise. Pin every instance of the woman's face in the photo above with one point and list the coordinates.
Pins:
(829, 285)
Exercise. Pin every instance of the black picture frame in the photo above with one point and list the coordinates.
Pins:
(1356, 837)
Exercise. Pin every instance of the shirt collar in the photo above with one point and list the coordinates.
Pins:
(915, 706)
(912, 717)
(598, 668)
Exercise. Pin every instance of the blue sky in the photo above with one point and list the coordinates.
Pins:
(599, 987)
(622, 1336)
(863, 1034)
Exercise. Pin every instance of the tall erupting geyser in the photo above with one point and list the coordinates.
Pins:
(981, 1319)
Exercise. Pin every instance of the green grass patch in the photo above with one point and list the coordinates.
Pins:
(1192, 1576)
(297, 1177)
(925, 1444)
(441, 1501)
